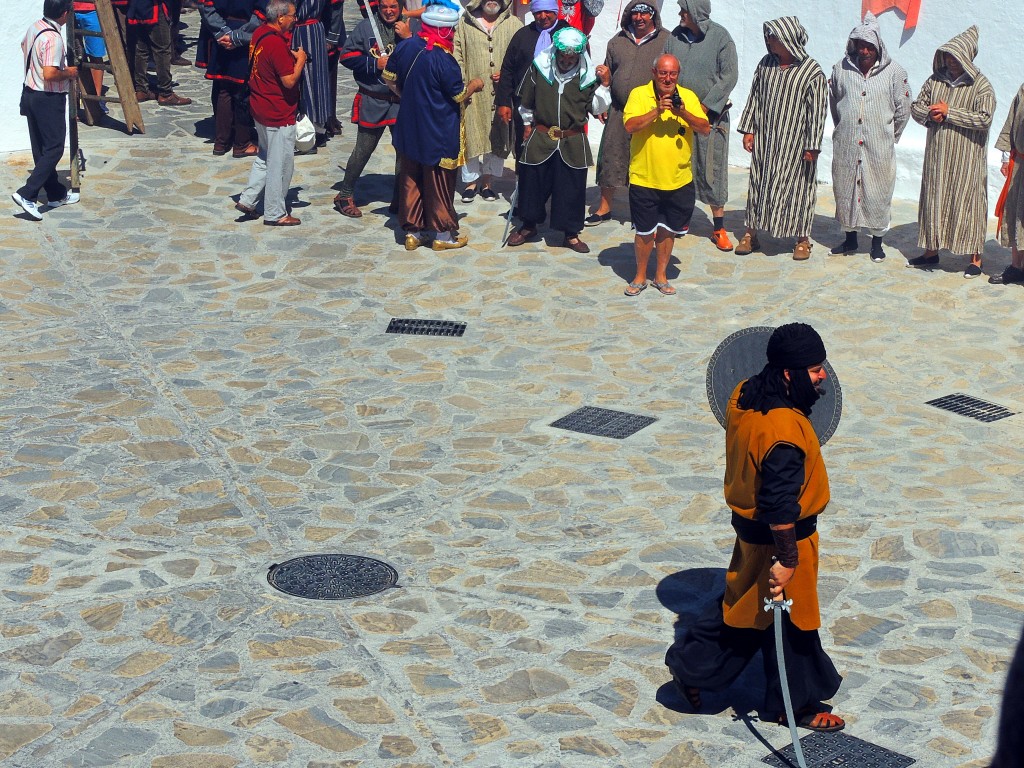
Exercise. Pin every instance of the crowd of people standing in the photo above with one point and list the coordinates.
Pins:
(487, 87)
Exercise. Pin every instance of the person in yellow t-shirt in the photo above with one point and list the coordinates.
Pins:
(660, 117)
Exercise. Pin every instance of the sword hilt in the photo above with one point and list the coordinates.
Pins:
(780, 605)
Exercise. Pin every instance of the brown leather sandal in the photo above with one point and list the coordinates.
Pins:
(346, 206)
(747, 244)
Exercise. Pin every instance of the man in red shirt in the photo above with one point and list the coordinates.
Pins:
(273, 101)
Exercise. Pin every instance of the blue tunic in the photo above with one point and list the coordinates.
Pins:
(429, 127)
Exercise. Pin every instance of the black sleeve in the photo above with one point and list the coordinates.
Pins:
(782, 476)
(510, 66)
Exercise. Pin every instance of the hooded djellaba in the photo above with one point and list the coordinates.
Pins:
(870, 112)
(629, 56)
(1010, 208)
(953, 210)
(785, 112)
(708, 66)
(480, 49)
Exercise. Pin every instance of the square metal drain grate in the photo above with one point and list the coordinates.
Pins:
(413, 327)
(839, 750)
(603, 422)
(971, 407)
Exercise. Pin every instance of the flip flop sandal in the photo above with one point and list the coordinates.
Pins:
(665, 288)
(635, 289)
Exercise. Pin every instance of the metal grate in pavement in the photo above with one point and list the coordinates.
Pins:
(426, 327)
(332, 577)
(838, 750)
(603, 422)
(971, 407)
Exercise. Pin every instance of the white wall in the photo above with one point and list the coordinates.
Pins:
(828, 24)
(18, 16)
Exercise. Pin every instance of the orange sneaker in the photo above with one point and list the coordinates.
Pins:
(721, 240)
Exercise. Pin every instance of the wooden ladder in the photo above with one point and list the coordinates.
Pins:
(123, 83)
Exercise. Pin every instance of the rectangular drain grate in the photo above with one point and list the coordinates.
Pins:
(971, 407)
(425, 327)
(826, 750)
(603, 422)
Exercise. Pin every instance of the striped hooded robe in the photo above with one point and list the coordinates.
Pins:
(869, 113)
(953, 211)
(309, 34)
(1011, 140)
(786, 112)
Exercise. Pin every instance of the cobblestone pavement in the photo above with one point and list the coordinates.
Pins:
(187, 399)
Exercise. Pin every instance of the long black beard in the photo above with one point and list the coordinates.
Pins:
(769, 389)
(802, 392)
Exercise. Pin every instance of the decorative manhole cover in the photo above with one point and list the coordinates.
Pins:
(971, 407)
(838, 750)
(332, 577)
(603, 422)
(425, 327)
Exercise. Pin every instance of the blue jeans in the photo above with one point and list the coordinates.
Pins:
(272, 170)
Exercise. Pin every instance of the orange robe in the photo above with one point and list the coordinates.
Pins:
(749, 437)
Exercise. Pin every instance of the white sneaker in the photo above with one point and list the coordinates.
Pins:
(69, 199)
(28, 206)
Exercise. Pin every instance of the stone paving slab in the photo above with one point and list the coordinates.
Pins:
(187, 400)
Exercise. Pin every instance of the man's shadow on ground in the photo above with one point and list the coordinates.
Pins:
(688, 594)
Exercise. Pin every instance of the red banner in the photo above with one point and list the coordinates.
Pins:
(909, 8)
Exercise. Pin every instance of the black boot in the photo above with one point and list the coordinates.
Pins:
(849, 245)
(877, 254)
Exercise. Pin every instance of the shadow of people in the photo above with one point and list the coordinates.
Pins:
(903, 238)
(205, 128)
(689, 594)
(622, 260)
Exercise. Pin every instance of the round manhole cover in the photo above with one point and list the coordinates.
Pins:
(332, 577)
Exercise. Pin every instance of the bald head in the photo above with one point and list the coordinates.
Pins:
(666, 74)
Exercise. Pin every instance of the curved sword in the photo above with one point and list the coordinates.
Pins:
(779, 606)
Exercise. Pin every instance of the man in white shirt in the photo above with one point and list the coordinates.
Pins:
(44, 102)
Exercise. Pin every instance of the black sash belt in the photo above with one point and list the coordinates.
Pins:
(756, 532)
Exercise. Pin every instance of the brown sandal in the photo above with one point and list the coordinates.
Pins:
(346, 206)
(747, 244)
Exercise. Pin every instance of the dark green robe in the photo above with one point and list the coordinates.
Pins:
(570, 112)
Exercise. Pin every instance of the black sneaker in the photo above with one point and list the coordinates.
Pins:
(972, 271)
(923, 261)
(1010, 275)
(877, 254)
(597, 218)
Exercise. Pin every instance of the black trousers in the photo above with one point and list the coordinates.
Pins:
(152, 40)
(712, 655)
(568, 206)
(47, 129)
(233, 126)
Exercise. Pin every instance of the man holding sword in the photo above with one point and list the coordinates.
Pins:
(776, 486)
